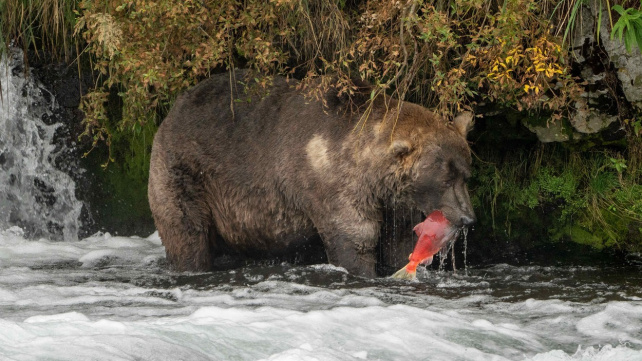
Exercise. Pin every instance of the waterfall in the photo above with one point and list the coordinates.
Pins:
(34, 194)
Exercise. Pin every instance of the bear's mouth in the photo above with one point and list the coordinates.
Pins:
(452, 215)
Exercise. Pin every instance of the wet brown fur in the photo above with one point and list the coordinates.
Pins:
(283, 169)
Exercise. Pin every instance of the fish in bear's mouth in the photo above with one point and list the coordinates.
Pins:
(434, 233)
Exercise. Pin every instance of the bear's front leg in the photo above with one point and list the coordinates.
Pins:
(352, 246)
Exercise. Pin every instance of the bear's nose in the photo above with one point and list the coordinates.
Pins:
(468, 220)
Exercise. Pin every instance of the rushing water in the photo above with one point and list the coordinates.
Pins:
(113, 298)
(33, 192)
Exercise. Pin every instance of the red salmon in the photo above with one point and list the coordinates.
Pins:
(433, 234)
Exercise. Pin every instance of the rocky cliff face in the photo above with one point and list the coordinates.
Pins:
(612, 79)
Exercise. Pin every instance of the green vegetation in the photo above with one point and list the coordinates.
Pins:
(448, 55)
(120, 201)
(591, 198)
(629, 26)
(45, 26)
(150, 50)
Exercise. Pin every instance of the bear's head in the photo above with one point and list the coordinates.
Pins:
(433, 163)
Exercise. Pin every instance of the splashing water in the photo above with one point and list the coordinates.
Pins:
(112, 298)
(443, 253)
(450, 248)
(33, 193)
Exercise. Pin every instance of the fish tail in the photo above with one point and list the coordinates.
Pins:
(405, 274)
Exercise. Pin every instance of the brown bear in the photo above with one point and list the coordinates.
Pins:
(255, 176)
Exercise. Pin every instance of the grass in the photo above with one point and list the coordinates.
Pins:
(587, 198)
(45, 26)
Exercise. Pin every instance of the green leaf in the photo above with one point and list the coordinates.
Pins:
(599, 24)
(633, 14)
(617, 30)
(637, 127)
(629, 39)
(619, 9)
(571, 20)
(637, 28)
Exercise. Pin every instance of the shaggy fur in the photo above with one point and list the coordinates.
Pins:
(269, 175)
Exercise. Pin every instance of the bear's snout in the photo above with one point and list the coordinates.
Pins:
(459, 217)
(468, 220)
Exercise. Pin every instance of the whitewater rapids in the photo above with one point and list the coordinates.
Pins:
(112, 298)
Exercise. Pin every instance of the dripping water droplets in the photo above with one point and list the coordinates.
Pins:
(465, 232)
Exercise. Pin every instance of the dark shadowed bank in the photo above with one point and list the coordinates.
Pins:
(557, 141)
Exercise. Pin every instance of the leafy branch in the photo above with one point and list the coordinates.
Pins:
(629, 27)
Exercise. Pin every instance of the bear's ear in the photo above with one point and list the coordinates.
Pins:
(463, 122)
(400, 148)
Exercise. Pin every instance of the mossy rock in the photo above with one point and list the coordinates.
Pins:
(118, 198)
(579, 235)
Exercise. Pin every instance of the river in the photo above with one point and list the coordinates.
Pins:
(113, 298)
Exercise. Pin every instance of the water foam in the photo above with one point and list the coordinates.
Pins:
(110, 298)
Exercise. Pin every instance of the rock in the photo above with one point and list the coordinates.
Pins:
(628, 64)
(589, 121)
(552, 132)
(634, 259)
(603, 65)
